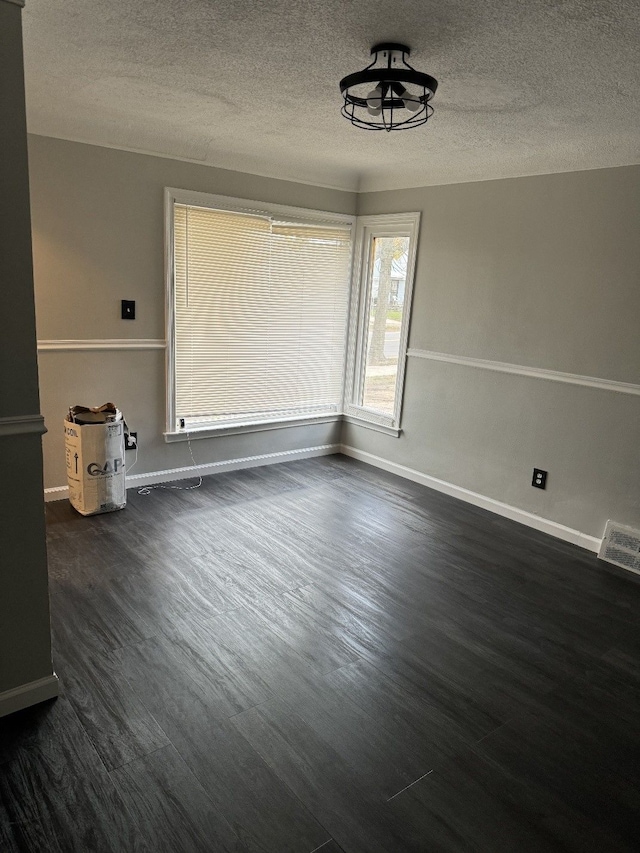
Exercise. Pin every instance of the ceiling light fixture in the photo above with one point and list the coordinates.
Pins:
(388, 94)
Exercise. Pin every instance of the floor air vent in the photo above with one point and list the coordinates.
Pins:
(621, 546)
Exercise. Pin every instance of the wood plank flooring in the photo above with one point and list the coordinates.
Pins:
(319, 656)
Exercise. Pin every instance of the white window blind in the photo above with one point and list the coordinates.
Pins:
(260, 316)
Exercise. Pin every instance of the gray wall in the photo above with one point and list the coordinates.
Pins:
(25, 650)
(98, 225)
(542, 272)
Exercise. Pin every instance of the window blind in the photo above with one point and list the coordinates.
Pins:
(260, 316)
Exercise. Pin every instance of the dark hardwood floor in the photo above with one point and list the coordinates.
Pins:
(321, 656)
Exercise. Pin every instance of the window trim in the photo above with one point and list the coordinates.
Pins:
(173, 195)
(368, 228)
(239, 428)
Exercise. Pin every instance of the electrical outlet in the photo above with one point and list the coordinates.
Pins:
(130, 440)
(539, 480)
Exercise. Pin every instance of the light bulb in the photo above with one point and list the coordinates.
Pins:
(411, 103)
(374, 99)
(374, 111)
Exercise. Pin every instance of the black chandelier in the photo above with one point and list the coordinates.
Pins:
(400, 95)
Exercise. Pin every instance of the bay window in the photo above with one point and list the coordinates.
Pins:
(266, 326)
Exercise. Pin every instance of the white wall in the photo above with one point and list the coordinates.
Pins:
(98, 235)
(541, 272)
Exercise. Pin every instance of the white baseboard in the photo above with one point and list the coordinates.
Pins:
(57, 493)
(553, 528)
(137, 481)
(28, 694)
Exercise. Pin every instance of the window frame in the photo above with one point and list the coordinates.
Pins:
(173, 195)
(367, 229)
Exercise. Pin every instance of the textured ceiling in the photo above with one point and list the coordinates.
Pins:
(526, 86)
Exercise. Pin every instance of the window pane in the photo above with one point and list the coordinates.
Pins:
(260, 308)
(386, 288)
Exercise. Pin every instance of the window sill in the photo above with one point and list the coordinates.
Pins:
(362, 422)
(254, 426)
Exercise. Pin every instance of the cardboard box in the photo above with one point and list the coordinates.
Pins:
(95, 459)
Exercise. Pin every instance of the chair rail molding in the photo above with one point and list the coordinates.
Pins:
(21, 424)
(102, 344)
(532, 372)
